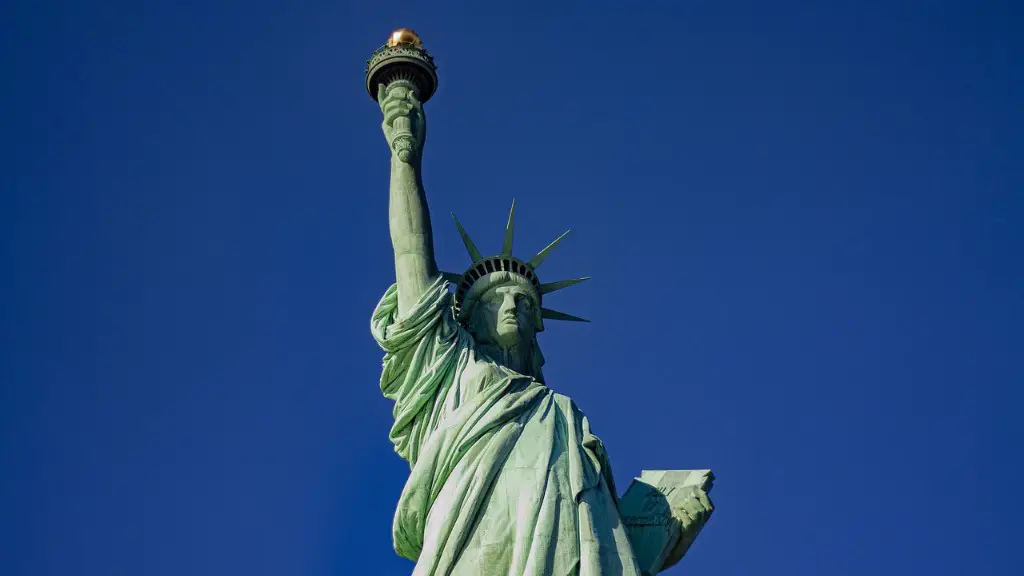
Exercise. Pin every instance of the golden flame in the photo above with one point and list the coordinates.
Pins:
(405, 36)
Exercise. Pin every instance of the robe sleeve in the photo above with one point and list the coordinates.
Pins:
(421, 355)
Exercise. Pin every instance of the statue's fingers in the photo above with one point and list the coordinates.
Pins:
(393, 110)
(382, 92)
(691, 517)
(415, 99)
(684, 513)
(702, 509)
(693, 506)
(391, 104)
(705, 501)
(421, 120)
(402, 105)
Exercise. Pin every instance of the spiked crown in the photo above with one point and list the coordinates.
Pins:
(469, 282)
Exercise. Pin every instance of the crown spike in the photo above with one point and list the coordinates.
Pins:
(470, 247)
(553, 286)
(543, 254)
(556, 315)
(506, 247)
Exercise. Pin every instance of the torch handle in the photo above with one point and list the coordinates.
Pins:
(402, 142)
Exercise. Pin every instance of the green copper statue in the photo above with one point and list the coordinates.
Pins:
(506, 476)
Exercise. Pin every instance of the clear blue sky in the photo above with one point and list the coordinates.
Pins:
(804, 223)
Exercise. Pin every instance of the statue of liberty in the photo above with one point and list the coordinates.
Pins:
(506, 476)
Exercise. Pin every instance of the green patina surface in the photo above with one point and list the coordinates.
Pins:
(506, 476)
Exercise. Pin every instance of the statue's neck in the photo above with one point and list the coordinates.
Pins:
(516, 358)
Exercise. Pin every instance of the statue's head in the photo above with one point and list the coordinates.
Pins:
(503, 309)
(498, 299)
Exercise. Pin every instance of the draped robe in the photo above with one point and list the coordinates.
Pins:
(505, 475)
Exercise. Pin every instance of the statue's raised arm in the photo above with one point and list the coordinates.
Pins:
(405, 129)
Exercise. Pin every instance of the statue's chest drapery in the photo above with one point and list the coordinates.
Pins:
(529, 521)
(552, 431)
(545, 509)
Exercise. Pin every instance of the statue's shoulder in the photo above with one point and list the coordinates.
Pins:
(567, 404)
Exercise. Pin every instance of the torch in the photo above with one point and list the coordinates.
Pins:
(402, 59)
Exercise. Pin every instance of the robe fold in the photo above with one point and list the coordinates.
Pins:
(505, 475)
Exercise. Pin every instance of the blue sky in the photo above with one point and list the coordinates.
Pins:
(803, 221)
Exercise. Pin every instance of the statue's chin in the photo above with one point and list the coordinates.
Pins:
(507, 343)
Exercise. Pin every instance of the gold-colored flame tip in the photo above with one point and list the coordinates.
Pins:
(405, 36)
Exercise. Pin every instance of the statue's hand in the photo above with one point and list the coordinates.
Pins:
(405, 124)
(692, 513)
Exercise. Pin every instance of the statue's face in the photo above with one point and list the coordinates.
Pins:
(505, 316)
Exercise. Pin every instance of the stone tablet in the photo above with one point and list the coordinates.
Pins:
(647, 511)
